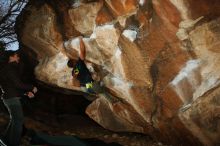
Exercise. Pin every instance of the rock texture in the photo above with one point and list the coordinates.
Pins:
(157, 58)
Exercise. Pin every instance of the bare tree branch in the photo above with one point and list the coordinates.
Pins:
(10, 42)
(9, 10)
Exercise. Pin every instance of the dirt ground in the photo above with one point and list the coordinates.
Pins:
(81, 127)
(58, 114)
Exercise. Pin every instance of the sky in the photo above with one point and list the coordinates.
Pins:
(13, 46)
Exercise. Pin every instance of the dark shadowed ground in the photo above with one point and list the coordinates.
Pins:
(57, 114)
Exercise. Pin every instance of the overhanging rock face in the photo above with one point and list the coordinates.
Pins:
(158, 58)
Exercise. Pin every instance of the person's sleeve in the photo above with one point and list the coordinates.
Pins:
(18, 83)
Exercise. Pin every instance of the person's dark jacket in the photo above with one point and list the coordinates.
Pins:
(11, 81)
(84, 76)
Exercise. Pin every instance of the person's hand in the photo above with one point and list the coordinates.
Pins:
(82, 52)
(35, 90)
(30, 95)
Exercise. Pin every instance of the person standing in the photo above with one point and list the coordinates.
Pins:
(13, 88)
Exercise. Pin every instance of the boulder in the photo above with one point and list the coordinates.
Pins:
(158, 60)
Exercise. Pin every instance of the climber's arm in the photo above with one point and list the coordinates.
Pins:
(82, 54)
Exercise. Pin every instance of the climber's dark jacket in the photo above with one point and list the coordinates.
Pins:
(82, 73)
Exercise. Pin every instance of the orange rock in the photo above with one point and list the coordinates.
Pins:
(119, 8)
(103, 16)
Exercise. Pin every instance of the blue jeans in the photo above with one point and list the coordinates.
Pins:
(14, 130)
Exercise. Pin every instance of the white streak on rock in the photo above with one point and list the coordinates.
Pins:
(206, 85)
(108, 26)
(61, 62)
(141, 2)
(54, 70)
(130, 34)
(187, 81)
(121, 85)
(181, 5)
(118, 53)
(93, 35)
(190, 65)
(76, 3)
(75, 43)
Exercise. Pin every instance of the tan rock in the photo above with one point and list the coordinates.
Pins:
(40, 32)
(84, 17)
(122, 119)
(54, 71)
(205, 40)
(202, 117)
(107, 37)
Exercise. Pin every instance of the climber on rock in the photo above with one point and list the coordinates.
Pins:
(84, 76)
(80, 70)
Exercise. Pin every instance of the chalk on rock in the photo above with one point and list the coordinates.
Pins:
(130, 34)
